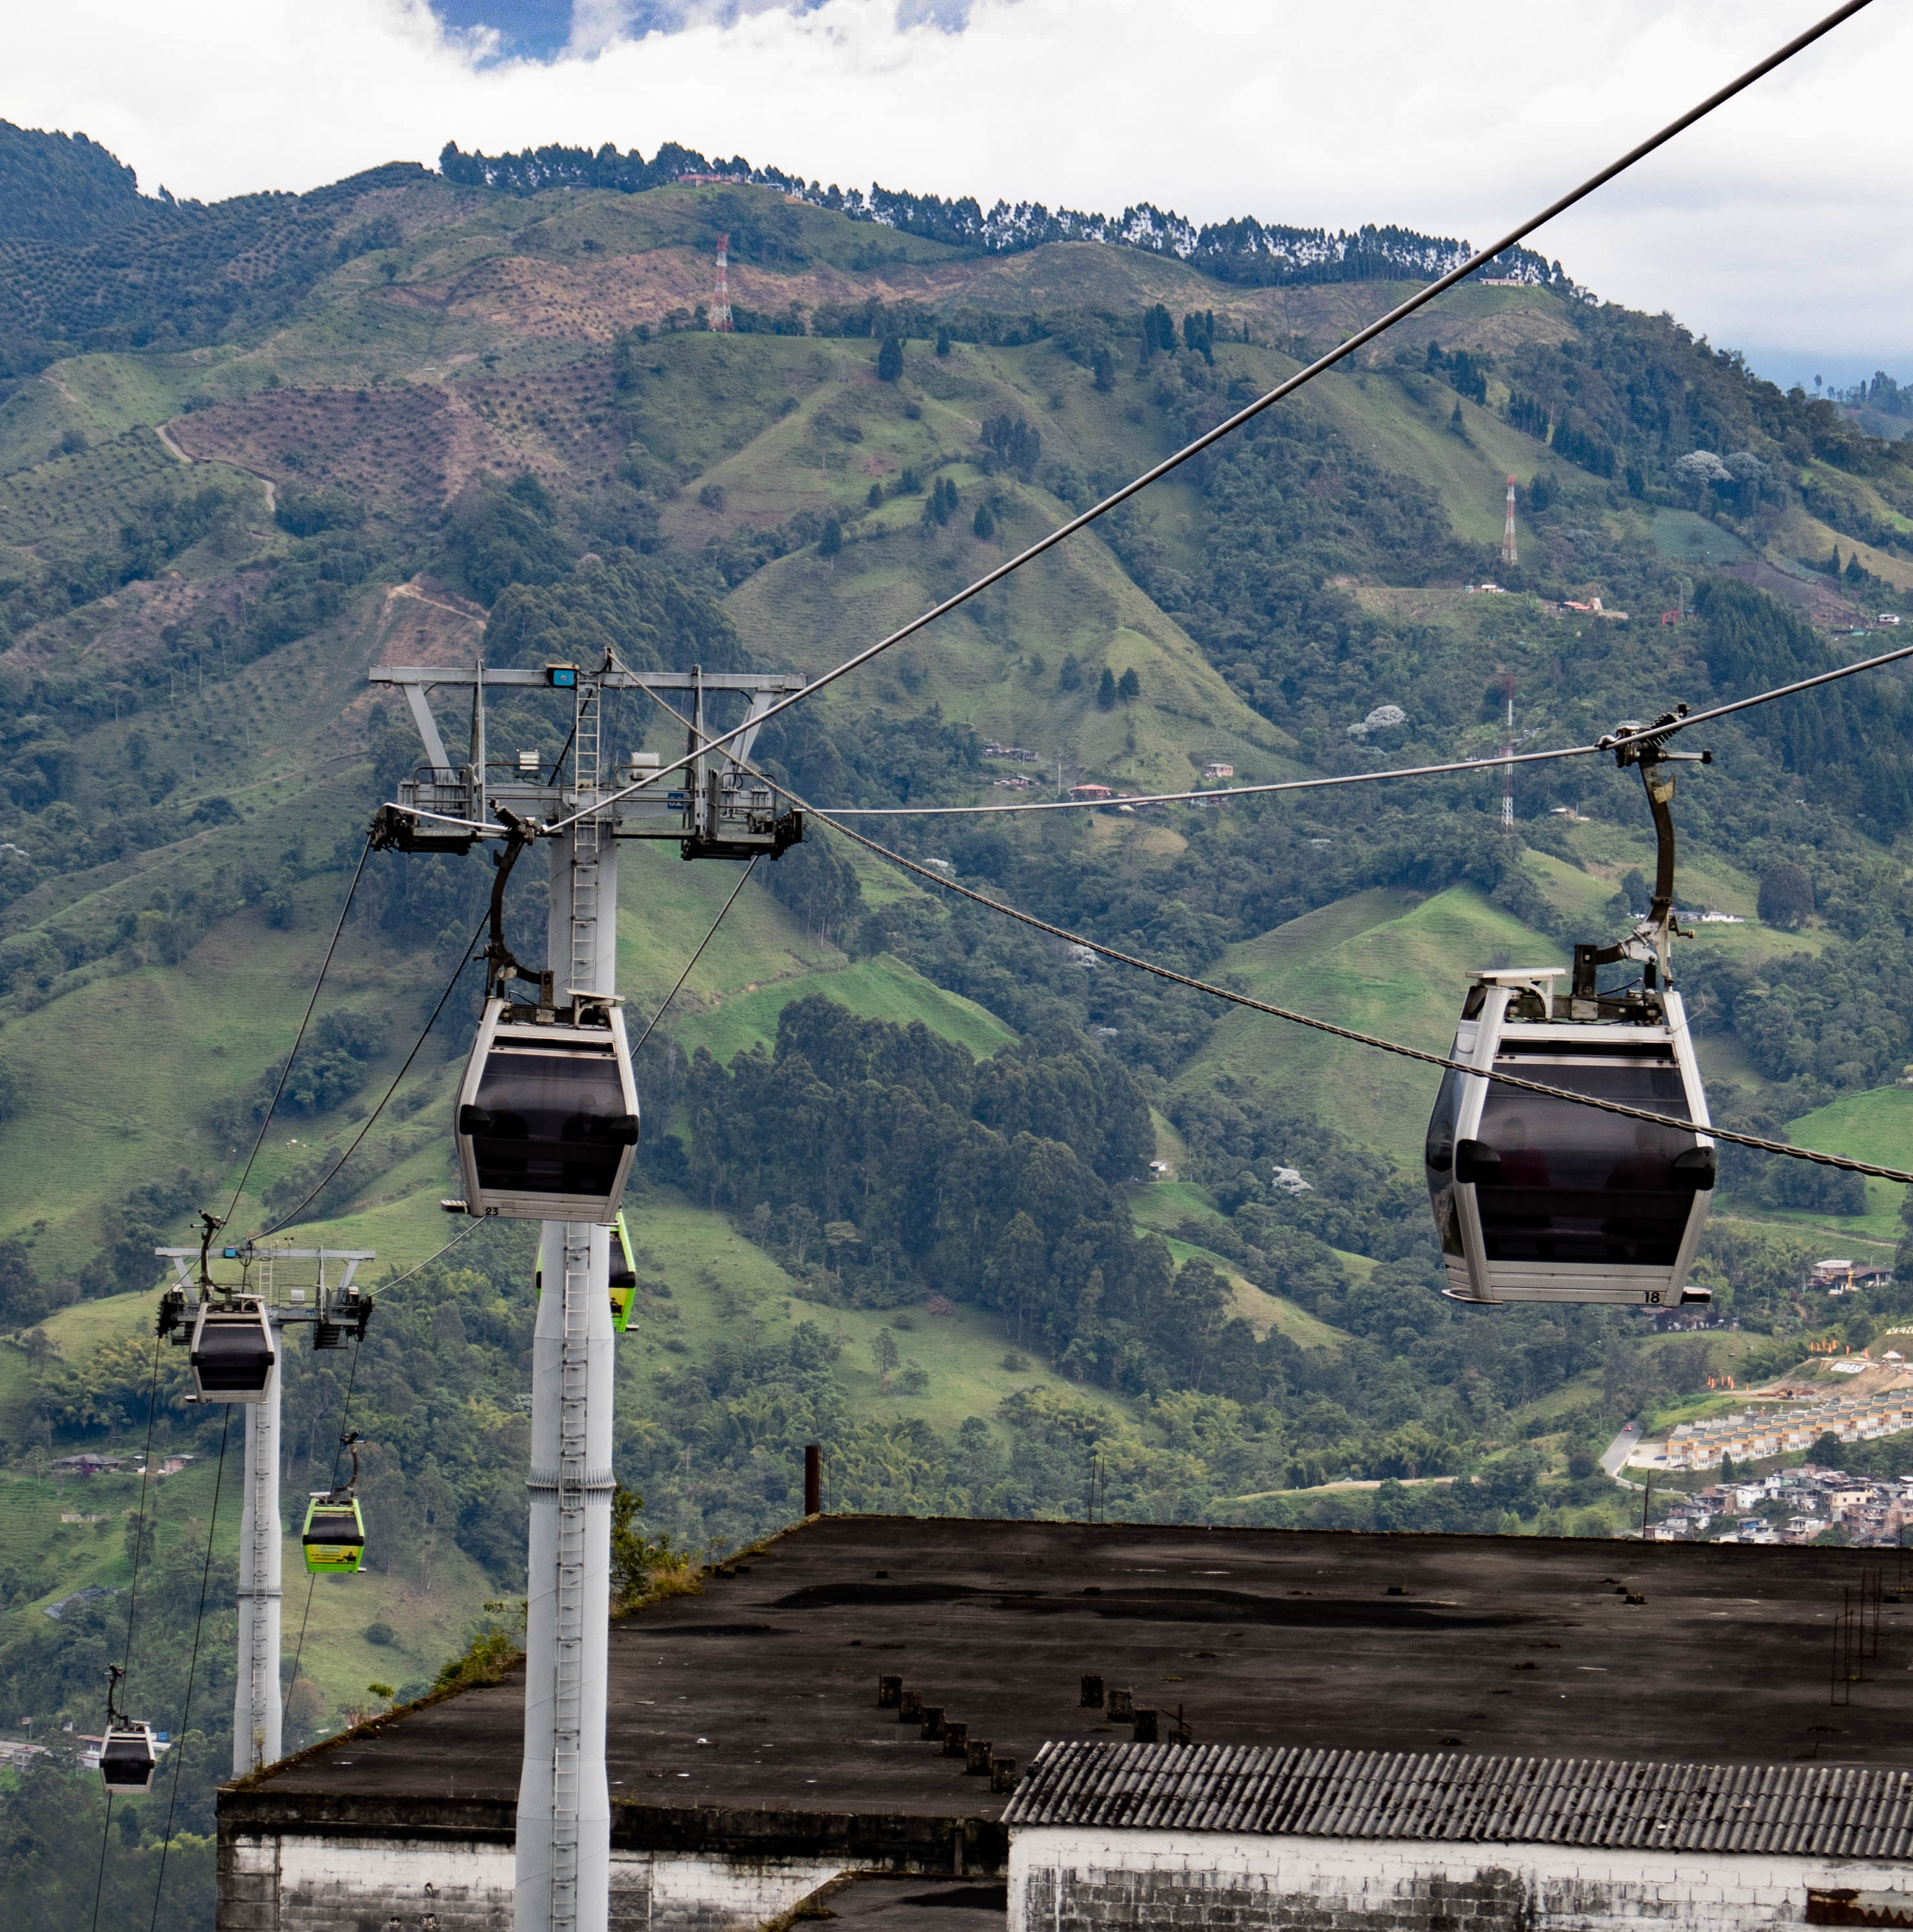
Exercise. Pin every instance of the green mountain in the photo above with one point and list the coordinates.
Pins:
(891, 1197)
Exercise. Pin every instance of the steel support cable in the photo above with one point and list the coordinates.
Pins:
(385, 1287)
(372, 1119)
(1618, 741)
(1349, 1034)
(141, 1537)
(99, 1872)
(697, 955)
(1341, 352)
(192, 1666)
(285, 1072)
(658, 700)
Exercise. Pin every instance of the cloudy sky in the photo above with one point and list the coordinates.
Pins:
(1780, 227)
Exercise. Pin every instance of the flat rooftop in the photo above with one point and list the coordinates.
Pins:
(759, 1697)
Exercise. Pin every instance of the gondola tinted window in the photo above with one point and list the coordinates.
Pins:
(1559, 1182)
(548, 1122)
(1439, 1156)
(232, 1354)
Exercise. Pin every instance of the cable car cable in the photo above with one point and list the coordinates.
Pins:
(1490, 764)
(471, 1227)
(1359, 340)
(672, 710)
(371, 1119)
(141, 1529)
(1349, 1034)
(179, 1761)
(1615, 741)
(285, 1072)
(345, 1417)
(100, 1873)
(695, 956)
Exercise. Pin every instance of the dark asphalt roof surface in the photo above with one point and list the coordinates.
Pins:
(761, 1694)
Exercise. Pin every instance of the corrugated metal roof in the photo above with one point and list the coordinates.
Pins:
(1808, 1809)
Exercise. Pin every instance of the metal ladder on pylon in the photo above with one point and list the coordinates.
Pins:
(568, 1712)
(586, 749)
(265, 1528)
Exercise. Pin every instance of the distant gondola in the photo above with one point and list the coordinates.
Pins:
(334, 1538)
(623, 1277)
(128, 1751)
(233, 1351)
(1543, 1199)
(547, 1113)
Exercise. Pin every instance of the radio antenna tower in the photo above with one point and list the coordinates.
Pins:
(1507, 687)
(1507, 529)
(720, 308)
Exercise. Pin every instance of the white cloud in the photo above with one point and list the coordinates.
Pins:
(1781, 221)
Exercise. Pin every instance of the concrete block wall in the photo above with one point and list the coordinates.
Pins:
(1067, 1880)
(284, 1882)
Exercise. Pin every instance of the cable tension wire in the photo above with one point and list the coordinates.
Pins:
(1341, 352)
(1619, 741)
(285, 1072)
(1349, 1034)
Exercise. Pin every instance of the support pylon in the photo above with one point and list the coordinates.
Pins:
(1508, 556)
(1508, 683)
(720, 306)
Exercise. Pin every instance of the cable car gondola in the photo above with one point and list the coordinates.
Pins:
(623, 1277)
(333, 1540)
(128, 1752)
(1541, 1199)
(547, 1113)
(232, 1353)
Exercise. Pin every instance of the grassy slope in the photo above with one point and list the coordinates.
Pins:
(1167, 1205)
(1378, 962)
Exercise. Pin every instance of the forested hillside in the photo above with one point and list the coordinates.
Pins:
(917, 1184)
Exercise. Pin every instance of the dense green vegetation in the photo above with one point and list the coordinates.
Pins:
(908, 1220)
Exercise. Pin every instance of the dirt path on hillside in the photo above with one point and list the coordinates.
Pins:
(265, 482)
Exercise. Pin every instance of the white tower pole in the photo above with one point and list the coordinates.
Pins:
(563, 1859)
(255, 1705)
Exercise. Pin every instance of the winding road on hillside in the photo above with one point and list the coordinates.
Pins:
(271, 488)
(1613, 1458)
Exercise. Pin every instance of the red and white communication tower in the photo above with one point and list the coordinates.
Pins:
(1507, 529)
(720, 307)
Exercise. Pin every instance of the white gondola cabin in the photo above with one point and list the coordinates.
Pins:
(548, 1114)
(1541, 1199)
(234, 1354)
(129, 1751)
(128, 1754)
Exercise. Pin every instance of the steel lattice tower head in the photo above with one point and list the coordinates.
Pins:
(720, 307)
(1507, 529)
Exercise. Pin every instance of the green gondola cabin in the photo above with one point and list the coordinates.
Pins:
(334, 1539)
(623, 1277)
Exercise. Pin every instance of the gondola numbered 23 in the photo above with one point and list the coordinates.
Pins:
(1538, 1199)
(547, 1110)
